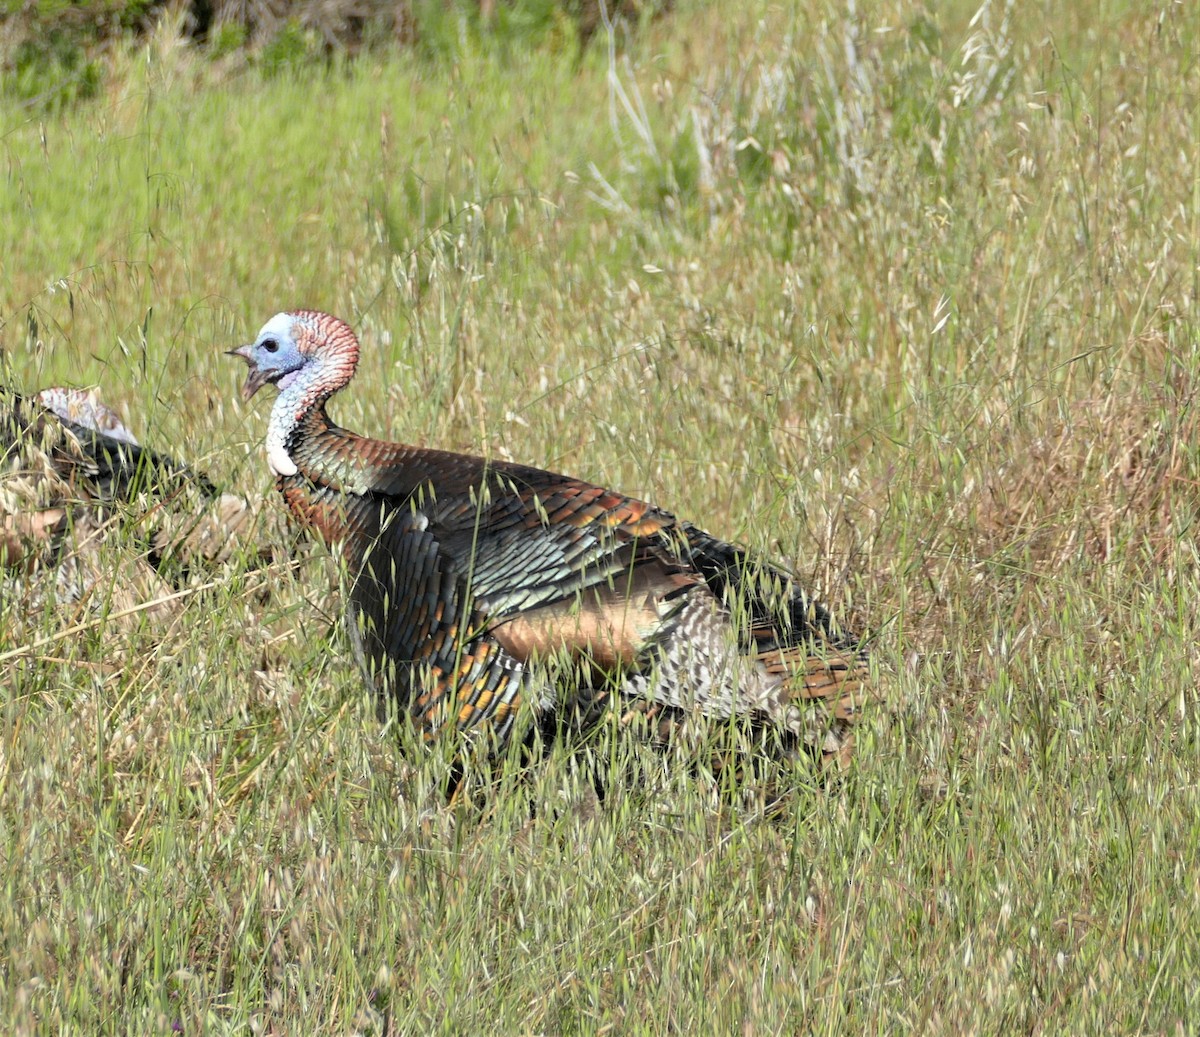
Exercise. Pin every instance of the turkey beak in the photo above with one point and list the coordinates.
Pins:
(256, 379)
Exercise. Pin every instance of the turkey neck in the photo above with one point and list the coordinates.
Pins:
(326, 456)
(321, 453)
(300, 403)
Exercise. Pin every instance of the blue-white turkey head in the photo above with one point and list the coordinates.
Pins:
(308, 356)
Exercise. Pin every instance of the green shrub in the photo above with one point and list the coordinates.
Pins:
(292, 48)
(52, 48)
(52, 71)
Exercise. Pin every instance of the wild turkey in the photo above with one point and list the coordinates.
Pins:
(70, 473)
(466, 571)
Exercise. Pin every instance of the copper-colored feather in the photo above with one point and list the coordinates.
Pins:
(610, 625)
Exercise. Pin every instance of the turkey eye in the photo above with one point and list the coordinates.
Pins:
(271, 346)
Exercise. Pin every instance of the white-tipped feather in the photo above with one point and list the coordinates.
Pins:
(278, 459)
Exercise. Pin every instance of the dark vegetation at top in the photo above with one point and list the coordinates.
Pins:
(52, 52)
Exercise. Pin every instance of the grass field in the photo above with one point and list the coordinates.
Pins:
(906, 297)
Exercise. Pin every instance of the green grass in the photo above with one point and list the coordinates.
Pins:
(914, 309)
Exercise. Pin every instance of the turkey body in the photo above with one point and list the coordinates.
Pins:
(70, 472)
(479, 586)
(82, 443)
